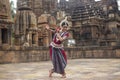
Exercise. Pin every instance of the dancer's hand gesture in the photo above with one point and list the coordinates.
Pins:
(47, 27)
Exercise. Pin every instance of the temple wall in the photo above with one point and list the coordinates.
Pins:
(42, 54)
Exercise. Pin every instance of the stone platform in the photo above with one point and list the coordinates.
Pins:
(77, 69)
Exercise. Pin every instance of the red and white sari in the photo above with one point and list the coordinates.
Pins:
(57, 54)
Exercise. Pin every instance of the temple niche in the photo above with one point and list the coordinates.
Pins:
(5, 25)
(26, 32)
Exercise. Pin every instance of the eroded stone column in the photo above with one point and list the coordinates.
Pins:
(26, 27)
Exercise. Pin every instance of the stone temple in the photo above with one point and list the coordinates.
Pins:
(5, 25)
(91, 23)
(94, 28)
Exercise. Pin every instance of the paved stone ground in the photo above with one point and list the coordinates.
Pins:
(77, 69)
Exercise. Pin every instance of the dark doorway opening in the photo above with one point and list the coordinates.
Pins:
(33, 38)
(4, 36)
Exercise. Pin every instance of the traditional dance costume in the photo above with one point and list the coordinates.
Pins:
(57, 53)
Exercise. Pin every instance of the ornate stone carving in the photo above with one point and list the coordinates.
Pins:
(26, 27)
(5, 25)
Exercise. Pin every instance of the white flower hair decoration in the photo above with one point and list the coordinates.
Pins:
(64, 22)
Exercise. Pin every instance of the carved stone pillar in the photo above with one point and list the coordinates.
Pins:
(26, 27)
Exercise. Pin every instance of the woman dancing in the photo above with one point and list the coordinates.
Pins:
(57, 53)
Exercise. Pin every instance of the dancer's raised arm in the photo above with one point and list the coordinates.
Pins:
(48, 28)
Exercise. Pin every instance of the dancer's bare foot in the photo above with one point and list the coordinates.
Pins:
(50, 73)
(63, 75)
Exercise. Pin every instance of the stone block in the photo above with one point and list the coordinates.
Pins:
(8, 57)
(5, 46)
(118, 53)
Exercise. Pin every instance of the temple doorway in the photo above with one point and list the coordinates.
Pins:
(4, 36)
